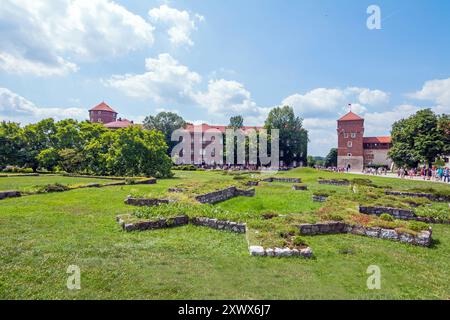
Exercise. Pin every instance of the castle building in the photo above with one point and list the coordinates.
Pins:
(103, 113)
(355, 152)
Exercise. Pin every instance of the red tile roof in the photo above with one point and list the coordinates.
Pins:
(350, 117)
(377, 139)
(121, 123)
(204, 127)
(102, 107)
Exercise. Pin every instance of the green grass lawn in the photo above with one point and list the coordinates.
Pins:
(41, 235)
(29, 184)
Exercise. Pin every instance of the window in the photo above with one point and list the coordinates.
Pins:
(345, 135)
(99, 112)
(353, 135)
(349, 154)
(349, 144)
(99, 120)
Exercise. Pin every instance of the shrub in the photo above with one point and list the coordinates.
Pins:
(386, 217)
(323, 193)
(418, 226)
(186, 167)
(14, 169)
(333, 217)
(385, 224)
(56, 187)
(299, 241)
(130, 181)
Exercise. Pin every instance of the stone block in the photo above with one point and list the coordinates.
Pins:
(257, 251)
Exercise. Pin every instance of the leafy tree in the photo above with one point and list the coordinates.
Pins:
(37, 137)
(236, 122)
(166, 122)
(331, 158)
(421, 137)
(311, 161)
(293, 137)
(137, 152)
(70, 160)
(48, 158)
(11, 143)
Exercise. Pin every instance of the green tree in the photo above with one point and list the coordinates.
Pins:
(236, 122)
(420, 138)
(11, 143)
(331, 158)
(37, 137)
(293, 137)
(166, 122)
(311, 161)
(136, 152)
(48, 158)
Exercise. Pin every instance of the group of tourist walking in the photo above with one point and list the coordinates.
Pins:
(426, 173)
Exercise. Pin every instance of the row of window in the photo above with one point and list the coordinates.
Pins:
(353, 135)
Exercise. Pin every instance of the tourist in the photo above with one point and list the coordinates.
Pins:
(446, 175)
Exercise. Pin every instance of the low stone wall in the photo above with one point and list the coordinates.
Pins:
(317, 198)
(225, 194)
(323, 228)
(112, 184)
(423, 238)
(252, 183)
(146, 181)
(9, 194)
(219, 224)
(154, 224)
(432, 220)
(138, 180)
(296, 187)
(176, 190)
(19, 175)
(146, 202)
(335, 182)
(403, 214)
(429, 196)
(280, 252)
(288, 180)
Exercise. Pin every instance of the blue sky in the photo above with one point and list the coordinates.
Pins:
(209, 60)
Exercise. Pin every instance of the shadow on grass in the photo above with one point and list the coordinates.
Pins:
(435, 244)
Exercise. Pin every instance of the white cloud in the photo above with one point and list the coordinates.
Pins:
(437, 91)
(14, 107)
(227, 98)
(165, 81)
(180, 23)
(373, 97)
(327, 102)
(380, 123)
(45, 37)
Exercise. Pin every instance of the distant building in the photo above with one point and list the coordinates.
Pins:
(356, 151)
(197, 133)
(103, 113)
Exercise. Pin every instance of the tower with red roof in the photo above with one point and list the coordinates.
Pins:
(102, 113)
(356, 151)
(350, 130)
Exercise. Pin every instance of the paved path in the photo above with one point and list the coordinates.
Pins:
(394, 175)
